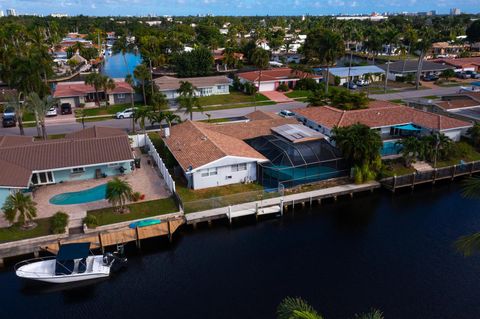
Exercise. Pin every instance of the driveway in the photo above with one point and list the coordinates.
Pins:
(276, 96)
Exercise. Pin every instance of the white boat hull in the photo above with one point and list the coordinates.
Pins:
(44, 271)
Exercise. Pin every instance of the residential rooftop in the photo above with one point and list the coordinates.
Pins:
(411, 66)
(355, 70)
(79, 88)
(167, 83)
(276, 74)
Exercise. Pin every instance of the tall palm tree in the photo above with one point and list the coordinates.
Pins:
(470, 244)
(187, 100)
(423, 46)
(141, 115)
(20, 207)
(15, 102)
(142, 74)
(129, 79)
(411, 149)
(108, 84)
(325, 47)
(40, 107)
(260, 58)
(171, 118)
(94, 79)
(118, 193)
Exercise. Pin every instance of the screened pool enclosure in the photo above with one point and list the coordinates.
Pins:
(291, 164)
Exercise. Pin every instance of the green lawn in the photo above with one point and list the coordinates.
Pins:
(111, 110)
(106, 216)
(298, 93)
(464, 151)
(237, 106)
(16, 233)
(220, 120)
(233, 97)
(188, 195)
(50, 137)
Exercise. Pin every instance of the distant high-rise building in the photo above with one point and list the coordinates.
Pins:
(1, 13)
(455, 11)
(59, 15)
(11, 12)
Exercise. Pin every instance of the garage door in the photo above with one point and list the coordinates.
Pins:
(267, 87)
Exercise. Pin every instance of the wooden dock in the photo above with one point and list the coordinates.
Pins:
(105, 236)
(277, 204)
(432, 176)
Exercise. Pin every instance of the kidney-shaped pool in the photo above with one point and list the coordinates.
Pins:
(85, 196)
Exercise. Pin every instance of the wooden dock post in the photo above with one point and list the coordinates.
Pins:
(230, 214)
(194, 225)
(169, 232)
(413, 180)
(434, 176)
(351, 195)
(35, 253)
(454, 169)
(281, 207)
(2, 263)
(101, 243)
(138, 238)
(256, 212)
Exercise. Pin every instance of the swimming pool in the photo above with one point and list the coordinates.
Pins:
(86, 196)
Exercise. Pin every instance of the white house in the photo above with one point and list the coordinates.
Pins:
(213, 155)
(354, 73)
(206, 86)
(271, 79)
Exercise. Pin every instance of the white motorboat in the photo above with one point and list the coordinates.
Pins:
(72, 263)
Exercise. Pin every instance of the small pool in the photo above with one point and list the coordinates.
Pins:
(86, 196)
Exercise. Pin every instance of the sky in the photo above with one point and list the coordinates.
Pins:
(233, 7)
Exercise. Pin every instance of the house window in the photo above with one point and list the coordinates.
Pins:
(209, 172)
(239, 167)
(42, 178)
(114, 165)
(121, 96)
(78, 170)
(219, 87)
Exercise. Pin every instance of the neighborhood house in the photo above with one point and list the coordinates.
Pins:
(80, 94)
(368, 72)
(206, 86)
(401, 69)
(391, 120)
(270, 80)
(91, 153)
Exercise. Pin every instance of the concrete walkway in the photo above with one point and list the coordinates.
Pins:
(278, 97)
(320, 193)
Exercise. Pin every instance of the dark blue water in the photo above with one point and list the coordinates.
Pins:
(392, 252)
(115, 67)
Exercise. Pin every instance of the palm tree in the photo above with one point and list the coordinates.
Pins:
(129, 80)
(142, 74)
(296, 308)
(15, 102)
(423, 46)
(474, 133)
(21, 207)
(122, 46)
(39, 107)
(141, 115)
(118, 193)
(94, 79)
(260, 58)
(159, 101)
(171, 118)
(187, 99)
(108, 84)
(411, 149)
(324, 47)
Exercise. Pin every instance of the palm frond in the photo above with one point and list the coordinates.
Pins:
(468, 245)
(296, 308)
(373, 314)
(471, 187)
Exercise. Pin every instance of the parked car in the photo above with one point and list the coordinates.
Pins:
(66, 108)
(430, 77)
(9, 121)
(286, 113)
(463, 75)
(350, 85)
(51, 112)
(361, 82)
(125, 113)
(473, 74)
(9, 111)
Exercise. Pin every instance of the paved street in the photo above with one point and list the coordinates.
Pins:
(61, 125)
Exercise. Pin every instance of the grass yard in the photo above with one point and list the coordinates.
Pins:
(233, 97)
(188, 195)
(298, 94)
(431, 97)
(111, 110)
(463, 152)
(106, 216)
(237, 106)
(16, 233)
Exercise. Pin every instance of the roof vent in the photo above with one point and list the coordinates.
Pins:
(203, 138)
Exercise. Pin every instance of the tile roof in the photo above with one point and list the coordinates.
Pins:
(97, 131)
(460, 62)
(261, 115)
(380, 114)
(78, 88)
(457, 104)
(276, 74)
(194, 145)
(23, 156)
(168, 83)
(14, 140)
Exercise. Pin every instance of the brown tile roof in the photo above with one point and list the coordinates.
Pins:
(276, 75)
(261, 115)
(13, 140)
(457, 104)
(97, 131)
(58, 154)
(12, 175)
(380, 114)
(69, 89)
(194, 144)
(167, 83)
(461, 62)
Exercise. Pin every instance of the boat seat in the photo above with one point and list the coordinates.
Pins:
(82, 266)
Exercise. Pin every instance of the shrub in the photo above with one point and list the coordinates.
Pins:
(358, 175)
(59, 223)
(307, 84)
(336, 80)
(282, 88)
(90, 221)
(136, 196)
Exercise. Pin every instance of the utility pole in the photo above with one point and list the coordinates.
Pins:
(151, 75)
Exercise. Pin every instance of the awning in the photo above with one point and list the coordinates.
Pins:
(73, 251)
(407, 127)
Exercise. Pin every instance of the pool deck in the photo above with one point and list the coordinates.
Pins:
(145, 180)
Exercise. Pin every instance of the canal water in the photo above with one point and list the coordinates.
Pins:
(115, 67)
(392, 252)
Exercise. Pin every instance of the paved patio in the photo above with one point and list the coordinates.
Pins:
(145, 180)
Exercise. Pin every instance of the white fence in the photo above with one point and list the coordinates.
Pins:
(137, 140)
(163, 169)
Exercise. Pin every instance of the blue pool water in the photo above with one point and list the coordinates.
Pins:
(115, 67)
(85, 196)
(390, 148)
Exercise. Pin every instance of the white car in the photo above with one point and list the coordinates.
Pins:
(125, 113)
(362, 82)
(286, 113)
(52, 112)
